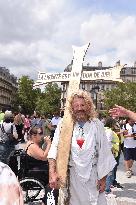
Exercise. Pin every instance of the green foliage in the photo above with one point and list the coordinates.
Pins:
(26, 96)
(49, 100)
(32, 99)
(124, 94)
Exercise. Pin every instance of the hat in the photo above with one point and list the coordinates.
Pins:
(8, 115)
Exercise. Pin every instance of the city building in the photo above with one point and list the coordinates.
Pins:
(96, 87)
(8, 88)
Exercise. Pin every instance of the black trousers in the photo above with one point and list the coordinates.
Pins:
(6, 150)
(19, 129)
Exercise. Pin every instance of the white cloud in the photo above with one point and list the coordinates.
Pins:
(113, 37)
(39, 34)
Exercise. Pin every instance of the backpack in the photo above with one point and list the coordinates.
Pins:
(6, 137)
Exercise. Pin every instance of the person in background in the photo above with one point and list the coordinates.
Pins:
(10, 190)
(32, 121)
(32, 147)
(19, 123)
(38, 121)
(54, 122)
(2, 113)
(114, 145)
(26, 124)
(129, 148)
(46, 127)
(37, 157)
(8, 137)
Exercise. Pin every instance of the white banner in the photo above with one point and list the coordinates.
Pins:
(108, 74)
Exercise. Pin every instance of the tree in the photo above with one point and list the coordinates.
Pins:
(49, 100)
(124, 94)
(26, 96)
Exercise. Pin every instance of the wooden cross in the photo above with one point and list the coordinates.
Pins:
(67, 125)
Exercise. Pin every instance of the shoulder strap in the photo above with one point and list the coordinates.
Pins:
(28, 147)
(2, 129)
(11, 129)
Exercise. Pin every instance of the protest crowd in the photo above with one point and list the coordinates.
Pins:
(96, 146)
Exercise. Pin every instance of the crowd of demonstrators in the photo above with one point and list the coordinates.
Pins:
(129, 127)
(10, 191)
(90, 163)
(94, 163)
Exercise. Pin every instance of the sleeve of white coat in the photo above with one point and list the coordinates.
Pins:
(52, 154)
(106, 161)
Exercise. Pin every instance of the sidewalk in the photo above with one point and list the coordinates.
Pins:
(127, 195)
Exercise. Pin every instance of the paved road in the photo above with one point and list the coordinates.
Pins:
(127, 195)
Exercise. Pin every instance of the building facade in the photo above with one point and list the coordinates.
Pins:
(97, 87)
(8, 88)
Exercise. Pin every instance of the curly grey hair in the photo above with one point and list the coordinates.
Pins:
(91, 113)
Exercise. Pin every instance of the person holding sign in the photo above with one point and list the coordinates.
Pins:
(90, 158)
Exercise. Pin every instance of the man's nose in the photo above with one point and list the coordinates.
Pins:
(79, 108)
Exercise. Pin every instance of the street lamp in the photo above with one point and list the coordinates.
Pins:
(101, 105)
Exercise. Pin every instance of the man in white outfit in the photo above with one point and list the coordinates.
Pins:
(90, 157)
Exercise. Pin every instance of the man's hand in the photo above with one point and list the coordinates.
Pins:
(102, 184)
(118, 111)
(53, 177)
(53, 180)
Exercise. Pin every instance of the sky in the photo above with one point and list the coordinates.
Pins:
(37, 35)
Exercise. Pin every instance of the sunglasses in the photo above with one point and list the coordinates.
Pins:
(40, 133)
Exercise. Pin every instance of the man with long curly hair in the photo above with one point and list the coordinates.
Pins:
(90, 159)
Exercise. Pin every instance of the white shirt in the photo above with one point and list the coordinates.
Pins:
(129, 142)
(55, 120)
(109, 135)
(7, 128)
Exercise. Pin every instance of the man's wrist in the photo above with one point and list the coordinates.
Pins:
(52, 166)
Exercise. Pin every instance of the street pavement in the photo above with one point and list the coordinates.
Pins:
(125, 196)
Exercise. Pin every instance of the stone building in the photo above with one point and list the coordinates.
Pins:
(96, 88)
(8, 88)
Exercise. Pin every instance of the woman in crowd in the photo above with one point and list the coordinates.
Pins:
(19, 123)
(36, 156)
(26, 124)
(10, 191)
(8, 137)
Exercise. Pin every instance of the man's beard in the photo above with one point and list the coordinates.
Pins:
(80, 116)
